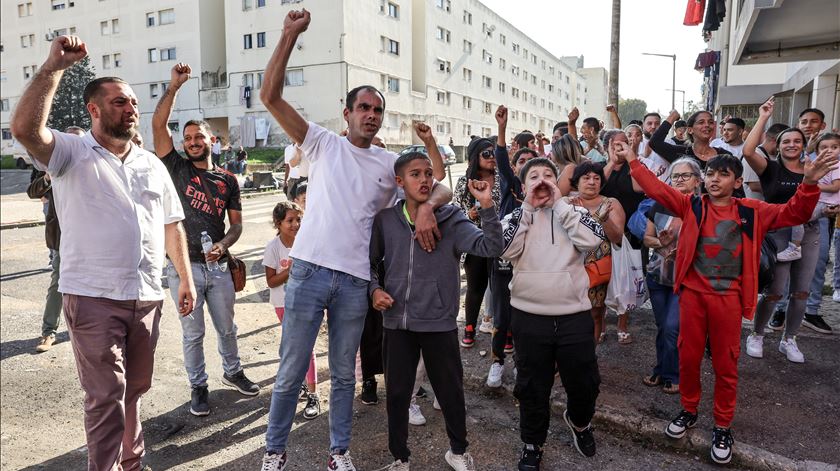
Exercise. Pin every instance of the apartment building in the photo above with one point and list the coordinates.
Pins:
(449, 63)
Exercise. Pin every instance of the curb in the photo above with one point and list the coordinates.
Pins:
(642, 428)
(26, 224)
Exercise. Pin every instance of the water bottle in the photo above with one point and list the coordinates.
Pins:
(206, 245)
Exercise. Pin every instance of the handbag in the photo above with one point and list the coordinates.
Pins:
(235, 265)
(627, 289)
(599, 271)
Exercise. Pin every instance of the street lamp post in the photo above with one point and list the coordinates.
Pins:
(673, 58)
(683, 98)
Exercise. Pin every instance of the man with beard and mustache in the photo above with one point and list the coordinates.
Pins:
(119, 213)
(651, 159)
(207, 192)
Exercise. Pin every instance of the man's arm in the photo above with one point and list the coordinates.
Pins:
(613, 111)
(657, 142)
(424, 132)
(573, 117)
(755, 160)
(29, 121)
(271, 93)
(651, 185)
(502, 158)
(176, 248)
(161, 135)
(297, 157)
(231, 236)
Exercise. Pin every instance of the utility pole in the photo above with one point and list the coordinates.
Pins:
(615, 37)
(673, 58)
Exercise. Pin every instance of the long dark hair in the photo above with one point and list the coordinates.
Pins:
(474, 156)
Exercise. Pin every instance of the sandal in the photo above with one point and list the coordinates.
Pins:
(652, 380)
(624, 338)
(670, 388)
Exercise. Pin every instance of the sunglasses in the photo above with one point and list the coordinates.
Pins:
(681, 176)
(487, 154)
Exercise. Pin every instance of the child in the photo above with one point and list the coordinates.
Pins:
(419, 296)
(300, 195)
(829, 197)
(286, 216)
(546, 240)
(717, 256)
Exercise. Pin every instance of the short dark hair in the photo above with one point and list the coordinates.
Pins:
(407, 158)
(637, 122)
(300, 189)
(726, 162)
(524, 150)
(586, 167)
(538, 162)
(93, 87)
(352, 94)
(524, 138)
(680, 124)
(776, 129)
(593, 123)
(652, 113)
(282, 208)
(560, 125)
(737, 122)
(198, 122)
(813, 110)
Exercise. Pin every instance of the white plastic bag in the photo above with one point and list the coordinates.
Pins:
(627, 289)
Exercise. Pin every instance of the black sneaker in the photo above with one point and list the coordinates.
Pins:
(816, 323)
(722, 442)
(777, 322)
(682, 422)
(304, 392)
(368, 395)
(584, 440)
(531, 458)
(421, 392)
(242, 384)
(313, 407)
(198, 401)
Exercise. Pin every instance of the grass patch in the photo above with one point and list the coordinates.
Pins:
(7, 161)
(266, 155)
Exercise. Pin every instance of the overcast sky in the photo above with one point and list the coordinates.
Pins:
(574, 27)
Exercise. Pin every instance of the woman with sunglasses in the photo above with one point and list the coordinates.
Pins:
(481, 166)
(663, 229)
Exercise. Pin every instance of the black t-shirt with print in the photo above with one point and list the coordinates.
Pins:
(198, 211)
(778, 183)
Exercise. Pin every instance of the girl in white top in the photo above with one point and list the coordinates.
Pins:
(287, 216)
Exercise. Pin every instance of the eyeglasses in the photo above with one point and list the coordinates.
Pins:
(487, 154)
(681, 176)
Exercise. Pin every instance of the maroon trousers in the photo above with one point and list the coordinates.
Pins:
(114, 346)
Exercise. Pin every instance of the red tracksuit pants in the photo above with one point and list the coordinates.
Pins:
(718, 318)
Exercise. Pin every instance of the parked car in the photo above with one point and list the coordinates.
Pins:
(445, 151)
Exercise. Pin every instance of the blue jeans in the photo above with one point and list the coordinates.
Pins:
(836, 281)
(310, 290)
(812, 306)
(217, 292)
(666, 312)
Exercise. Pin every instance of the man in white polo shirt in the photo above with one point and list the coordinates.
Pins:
(119, 216)
(349, 182)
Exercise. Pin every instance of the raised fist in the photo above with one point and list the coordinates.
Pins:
(296, 21)
(180, 74)
(66, 51)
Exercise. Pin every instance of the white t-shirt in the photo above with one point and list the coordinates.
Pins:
(347, 187)
(275, 253)
(216, 148)
(737, 151)
(654, 162)
(294, 172)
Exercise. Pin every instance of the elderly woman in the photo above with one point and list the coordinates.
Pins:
(588, 179)
(663, 229)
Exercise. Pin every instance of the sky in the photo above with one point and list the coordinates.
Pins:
(575, 27)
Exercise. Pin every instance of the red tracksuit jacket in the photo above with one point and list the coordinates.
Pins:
(757, 217)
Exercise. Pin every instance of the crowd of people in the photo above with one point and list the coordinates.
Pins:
(537, 224)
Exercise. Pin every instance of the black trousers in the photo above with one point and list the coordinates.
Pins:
(442, 356)
(541, 343)
(500, 289)
(478, 276)
(370, 347)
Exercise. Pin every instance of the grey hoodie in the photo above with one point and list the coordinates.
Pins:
(426, 286)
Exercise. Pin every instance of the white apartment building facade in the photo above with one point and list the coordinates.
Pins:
(449, 63)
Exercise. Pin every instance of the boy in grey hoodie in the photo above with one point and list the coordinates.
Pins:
(419, 296)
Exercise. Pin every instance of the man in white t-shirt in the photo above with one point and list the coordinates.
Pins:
(120, 216)
(653, 161)
(292, 158)
(350, 181)
(732, 137)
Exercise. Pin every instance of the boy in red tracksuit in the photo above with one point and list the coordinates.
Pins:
(717, 256)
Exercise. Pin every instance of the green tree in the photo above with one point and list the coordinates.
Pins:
(630, 109)
(68, 107)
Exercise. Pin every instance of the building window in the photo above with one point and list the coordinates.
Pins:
(104, 28)
(150, 19)
(6, 133)
(248, 80)
(248, 41)
(106, 61)
(167, 54)
(4, 104)
(525, 96)
(167, 16)
(25, 9)
(488, 30)
(501, 87)
(488, 107)
(467, 103)
(27, 40)
(154, 56)
(443, 34)
(442, 97)
(533, 79)
(486, 56)
(486, 81)
(515, 48)
(550, 88)
(514, 115)
(502, 39)
(247, 4)
(514, 92)
(502, 63)
(154, 90)
(393, 85)
(543, 65)
(443, 66)
(467, 47)
(567, 79)
(390, 46)
(525, 75)
(467, 75)
(533, 59)
(467, 130)
(260, 76)
(467, 18)
(61, 4)
(294, 78)
(260, 39)
(445, 5)
(117, 60)
(443, 127)
(393, 10)
(260, 4)
(524, 53)
(485, 131)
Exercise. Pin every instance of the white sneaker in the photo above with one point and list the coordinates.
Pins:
(791, 253)
(836, 296)
(339, 462)
(755, 345)
(415, 415)
(789, 348)
(399, 465)
(494, 377)
(436, 404)
(486, 325)
(273, 462)
(460, 462)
